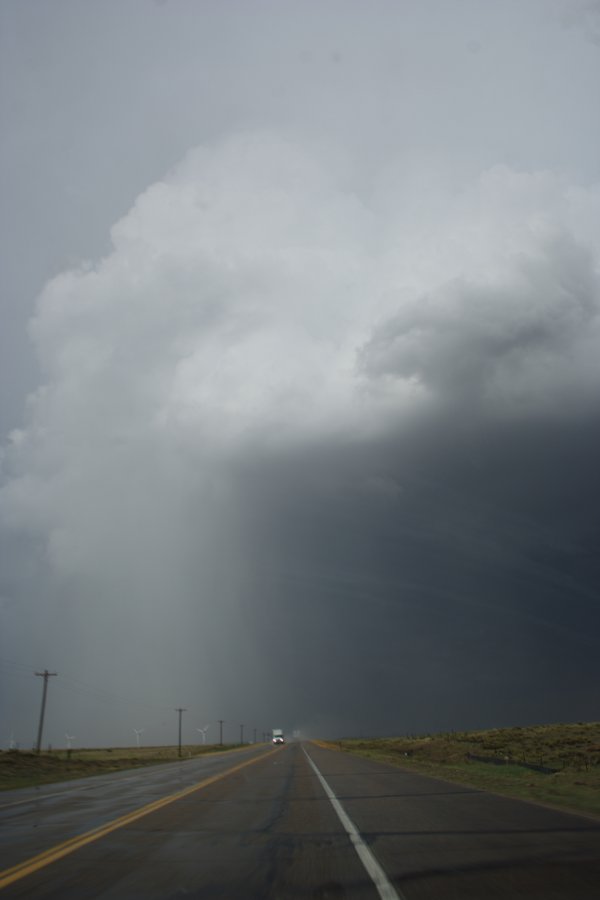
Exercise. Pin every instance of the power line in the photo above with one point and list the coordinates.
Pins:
(5, 661)
(75, 685)
(104, 696)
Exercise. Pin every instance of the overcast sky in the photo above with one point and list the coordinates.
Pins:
(299, 365)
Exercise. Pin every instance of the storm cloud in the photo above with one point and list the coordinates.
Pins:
(314, 443)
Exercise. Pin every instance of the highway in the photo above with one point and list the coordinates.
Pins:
(297, 821)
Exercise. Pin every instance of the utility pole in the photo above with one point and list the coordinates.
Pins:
(220, 721)
(180, 710)
(45, 675)
(254, 741)
(241, 734)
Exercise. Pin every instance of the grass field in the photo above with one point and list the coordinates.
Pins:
(18, 769)
(554, 764)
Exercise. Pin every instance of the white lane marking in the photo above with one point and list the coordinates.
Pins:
(384, 887)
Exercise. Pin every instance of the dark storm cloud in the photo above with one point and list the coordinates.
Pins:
(262, 438)
(467, 594)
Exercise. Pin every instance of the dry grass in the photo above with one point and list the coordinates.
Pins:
(506, 757)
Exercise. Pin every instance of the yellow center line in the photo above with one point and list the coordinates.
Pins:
(8, 876)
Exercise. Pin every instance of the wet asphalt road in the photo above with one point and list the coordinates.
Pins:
(268, 830)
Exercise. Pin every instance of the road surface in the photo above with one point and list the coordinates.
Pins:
(297, 821)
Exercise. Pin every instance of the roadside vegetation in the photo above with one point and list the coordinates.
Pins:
(557, 765)
(26, 769)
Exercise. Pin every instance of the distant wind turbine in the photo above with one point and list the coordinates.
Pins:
(138, 731)
(203, 732)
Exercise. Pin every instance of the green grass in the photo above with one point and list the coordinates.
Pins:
(19, 769)
(573, 750)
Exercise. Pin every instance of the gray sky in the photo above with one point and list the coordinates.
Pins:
(300, 365)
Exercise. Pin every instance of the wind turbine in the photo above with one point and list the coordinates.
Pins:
(11, 743)
(203, 732)
(69, 737)
(138, 731)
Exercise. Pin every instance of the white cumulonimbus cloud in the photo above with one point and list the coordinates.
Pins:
(251, 303)
(252, 300)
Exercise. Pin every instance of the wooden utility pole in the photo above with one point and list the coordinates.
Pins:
(45, 675)
(180, 710)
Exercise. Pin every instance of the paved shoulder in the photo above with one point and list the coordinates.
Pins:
(436, 839)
